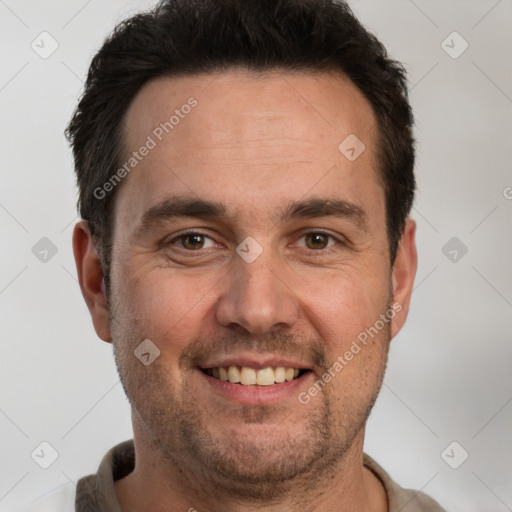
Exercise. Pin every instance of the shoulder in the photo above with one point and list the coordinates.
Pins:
(61, 500)
(399, 499)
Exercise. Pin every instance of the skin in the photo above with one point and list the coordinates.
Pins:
(254, 143)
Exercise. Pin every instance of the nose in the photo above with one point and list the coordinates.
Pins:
(257, 298)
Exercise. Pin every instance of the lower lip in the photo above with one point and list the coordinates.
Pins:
(256, 395)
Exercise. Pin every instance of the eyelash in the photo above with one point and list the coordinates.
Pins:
(310, 252)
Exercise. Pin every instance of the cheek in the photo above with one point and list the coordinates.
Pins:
(344, 309)
(164, 307)
(151, 305)
(344, 303)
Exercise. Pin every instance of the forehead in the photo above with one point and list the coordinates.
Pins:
(241, 104)
(258, 136)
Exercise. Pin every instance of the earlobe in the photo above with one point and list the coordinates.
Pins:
(403, 274)
(91, 279)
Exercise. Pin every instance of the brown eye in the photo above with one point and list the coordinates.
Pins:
(316, 240)
(192, 241)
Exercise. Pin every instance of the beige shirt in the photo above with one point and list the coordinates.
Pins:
(96, 493)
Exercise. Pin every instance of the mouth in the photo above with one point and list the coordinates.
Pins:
(248, 376)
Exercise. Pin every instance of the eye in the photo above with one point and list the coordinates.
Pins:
(193, 241)
(317, 240)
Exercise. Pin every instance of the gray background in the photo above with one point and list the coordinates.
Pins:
(449, 372)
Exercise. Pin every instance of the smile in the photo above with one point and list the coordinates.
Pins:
(247, 376)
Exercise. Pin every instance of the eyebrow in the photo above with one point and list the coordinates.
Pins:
(319, 207)
(177, 207)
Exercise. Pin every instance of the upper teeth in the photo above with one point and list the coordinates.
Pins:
(249, 376)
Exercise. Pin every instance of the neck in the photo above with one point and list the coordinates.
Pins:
(159, 485)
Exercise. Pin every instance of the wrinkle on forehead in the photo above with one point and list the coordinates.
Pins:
(313, 114)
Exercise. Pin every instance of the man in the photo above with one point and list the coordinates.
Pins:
(245, 172)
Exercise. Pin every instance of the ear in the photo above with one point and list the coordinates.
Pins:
(403, 274)
(90, 278)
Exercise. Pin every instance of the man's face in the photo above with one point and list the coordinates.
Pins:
(262, 153)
